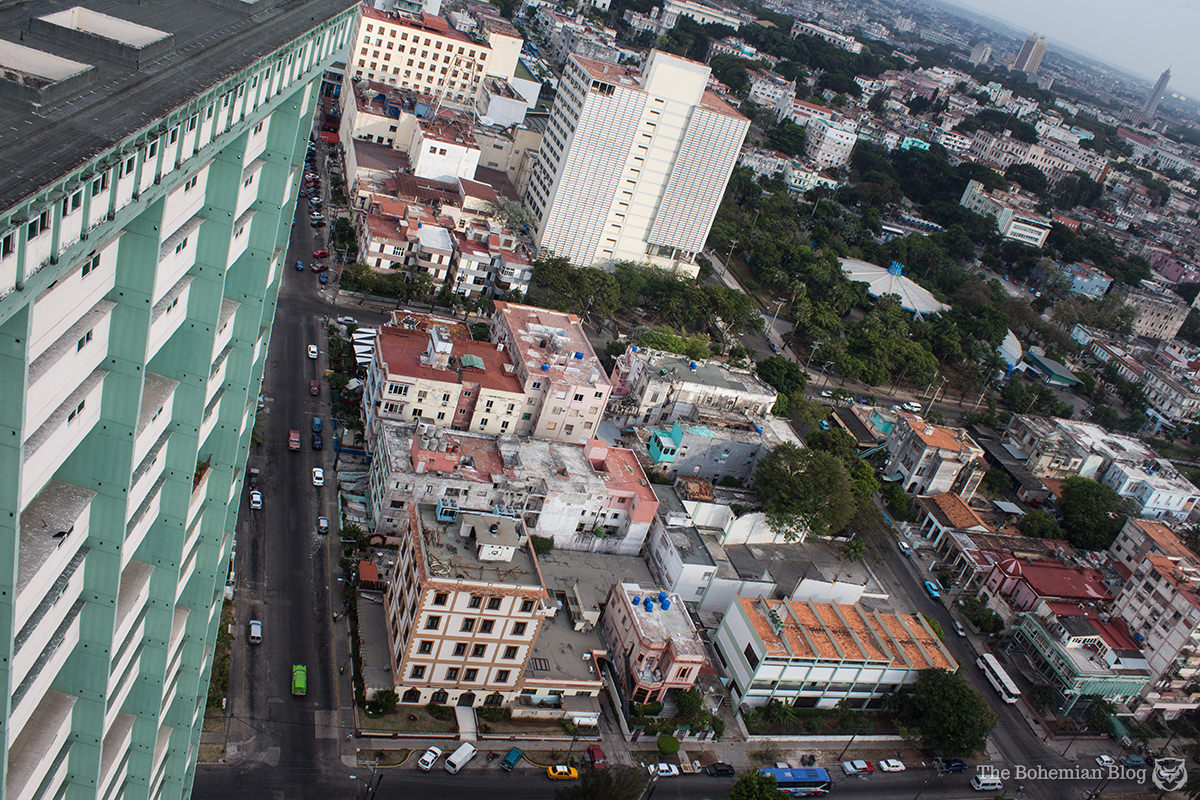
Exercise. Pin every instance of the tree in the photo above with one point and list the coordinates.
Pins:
(805, 490)
(1032, 179)
(951, 718)
(386, 700)
(787, 138)
(1088, 513)
(754, 785)
(613, 783)
(785, 376)
(668, 745)
(1039, 525)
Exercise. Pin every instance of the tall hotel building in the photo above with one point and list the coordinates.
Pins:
(150, 154)
(633, 165)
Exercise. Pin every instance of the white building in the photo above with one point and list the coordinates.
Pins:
(633, 166)
(828, 145)
(817, 655)
(1013, 222)
(834, 38)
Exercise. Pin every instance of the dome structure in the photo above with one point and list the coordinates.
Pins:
(882, 281)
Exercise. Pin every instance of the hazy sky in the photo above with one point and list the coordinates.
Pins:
(1143, 36)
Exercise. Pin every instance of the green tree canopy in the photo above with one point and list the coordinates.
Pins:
(613, 783)
(788, 138)
(805, 490)
(785, 376)
(1088, 513)
(1040, 525)
(754, 785)
(950, 717)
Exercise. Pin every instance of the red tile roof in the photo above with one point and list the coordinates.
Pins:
(402, 352)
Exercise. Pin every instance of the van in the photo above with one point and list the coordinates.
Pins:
(459, 758)
(986, 783)
(255, 631)
(511, 759)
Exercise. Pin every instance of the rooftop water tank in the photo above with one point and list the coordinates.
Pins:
(648, 604)
(692, 366)
(635, 348)
(758, 428)
(666, 604)
(579, 356)
(545, 367)
(662, 597)
(637, 601)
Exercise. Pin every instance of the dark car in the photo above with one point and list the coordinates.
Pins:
(318, 442)
(720, 770)
(314, 388)
(954, 765)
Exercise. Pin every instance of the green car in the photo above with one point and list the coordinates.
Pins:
(299, 680)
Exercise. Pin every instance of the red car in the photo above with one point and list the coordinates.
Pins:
(320, 254)
(596, 756)
(314, 387)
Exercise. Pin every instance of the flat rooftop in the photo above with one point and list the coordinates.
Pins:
(451, 551)
(139, 61)
(709, 373)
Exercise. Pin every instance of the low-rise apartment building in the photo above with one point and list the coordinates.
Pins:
(1139, 538)
(584, 496)
(1013, 220)
(848, 43)
(819, 655)
(652, 642)
(931, 459)
(652, 387)
(565, 388)
(715, 446)
(1160, 312)
(464, 606)
(828, 144)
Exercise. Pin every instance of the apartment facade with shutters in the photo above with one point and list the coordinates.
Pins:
(139, 271)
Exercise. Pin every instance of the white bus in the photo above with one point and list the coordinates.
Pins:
(998, 678)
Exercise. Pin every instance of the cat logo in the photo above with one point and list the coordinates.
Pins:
(1169, 774)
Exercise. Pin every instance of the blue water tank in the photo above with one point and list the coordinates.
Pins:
(635, 348)
(637, 600)
(666, 604)
(648, 604)
(662, 597)
(758, 428)
(545, 367)
(692, 365)
(579, 356)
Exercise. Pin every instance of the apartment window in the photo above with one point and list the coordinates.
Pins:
(452, 674)
(578, 398)
(179, 247)
(486, 626)
(258, 128)
(100, 184)
(470, 674)
(475, 602)
(510, 652)
(40, 225)
(249, 180)
(72, 203)
(173, 136)
(537, 384)
(526, 606)
(478, 650)
(425, 647)
(83, 341)
(751, 656)
(89, 265)
(526, 416)
(460, 649)
(432, 623)
(75, 412)
(493, 603)
(518, 629)
(502, 676)
(191, 183)
(418, 672)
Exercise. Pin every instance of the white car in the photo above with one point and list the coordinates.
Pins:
(322, 525)
(255, 631)
(312, 351)
(256, 500)
(959, 629)
(318, 476)
(904, 547)
(664, 770)
(429, 758)
(1106, 761)
(857, 767)
(826, 393)
(347, 320)
(891, 765)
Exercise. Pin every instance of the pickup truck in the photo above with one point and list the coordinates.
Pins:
(293, 439)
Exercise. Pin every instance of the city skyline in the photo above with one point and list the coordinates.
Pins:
(1144, 43)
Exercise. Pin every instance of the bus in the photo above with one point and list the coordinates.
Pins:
(800, 782)
(998, 678)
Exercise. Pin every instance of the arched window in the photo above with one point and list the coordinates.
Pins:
(439, 697)
(411, 696)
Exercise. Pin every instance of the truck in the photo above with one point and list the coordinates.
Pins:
(293, 439)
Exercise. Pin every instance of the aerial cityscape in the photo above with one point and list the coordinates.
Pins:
(599, 399)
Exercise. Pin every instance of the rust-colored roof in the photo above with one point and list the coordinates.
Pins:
(955, 511)
(1165, 537)
(941, 437)
(845, 633)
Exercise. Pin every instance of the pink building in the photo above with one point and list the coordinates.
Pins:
(1025, 583)
(652, 642)
(565, 386)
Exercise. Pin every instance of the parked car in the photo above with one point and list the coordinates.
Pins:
(932, 590)
(561, 772)
(774, 347)
(596, 756)
(512, 758)
(318, 442)
(293, 439)
(315, 201)
(314, 388)
(347, 321)
(429, 758)
(299, 266)
(320, 254)
(317, 216)
(826, 393)
(316, 424)
(904, 548)
(313, 352)
(720, 769)
(858, 767)
(299, 680)
(1133, 761)
(319, 267)
(255, 636)
(323, 278)
(322, 525)
(317, 223)
(1106, 761)
(256, 500)
(959, 629)
(954, 765)
(664, 770)
(318, 476)
(891, 765)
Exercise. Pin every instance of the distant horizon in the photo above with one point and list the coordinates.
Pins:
(1142, 44)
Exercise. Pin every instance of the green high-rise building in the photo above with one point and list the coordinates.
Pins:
(150, 160)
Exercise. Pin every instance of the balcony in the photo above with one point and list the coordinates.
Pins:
(132, 596)
(175, 257)
(121, 684)
(34, 754)
(143, 519)
(241, 237)
(183, 202)
(212, 413)
(158, 399)
(56, 372)
(248, 191)
(225, 326)
(57, 308)
(161, 746)
(54, 528)
(167, 315)
(63, 430)
(148, 472)
(199, 489)
(55, 651)
(114, 752)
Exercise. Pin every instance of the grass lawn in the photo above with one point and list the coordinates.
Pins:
(548, 727)
(407, 719)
